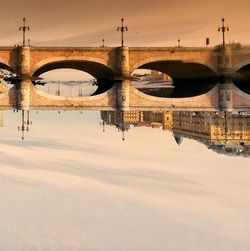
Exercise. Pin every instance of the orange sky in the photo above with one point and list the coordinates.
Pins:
(158, 22)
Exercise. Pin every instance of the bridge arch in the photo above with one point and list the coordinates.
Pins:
(241, 76)
(5, 66)
(95, 67)
(153, 60)
(241, 65)
(189, 77)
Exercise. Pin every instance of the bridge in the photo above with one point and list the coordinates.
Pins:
(116, 64)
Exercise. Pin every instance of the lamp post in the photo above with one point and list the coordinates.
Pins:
(223, 29)
(28, 122)
(22, 128)
(24, 28)
(122, 28)
(103, 125)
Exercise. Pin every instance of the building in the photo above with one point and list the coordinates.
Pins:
(127, 117)
(164, 119)
(223, 132)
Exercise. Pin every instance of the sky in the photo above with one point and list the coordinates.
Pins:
(150, 23)
(70, 186)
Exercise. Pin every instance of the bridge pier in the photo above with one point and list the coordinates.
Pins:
(24, 62)
(123, 94)
(226, 89)
(24, 89)
(225, 96)
(225, 79)
(122, 79)
(122, 66)
(25, 83)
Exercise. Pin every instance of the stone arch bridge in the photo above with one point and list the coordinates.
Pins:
(117, 64)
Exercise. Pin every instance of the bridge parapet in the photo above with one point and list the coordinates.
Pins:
(118, 63)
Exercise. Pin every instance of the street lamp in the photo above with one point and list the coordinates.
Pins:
(24, 28)
(122, 28)
(223, 29)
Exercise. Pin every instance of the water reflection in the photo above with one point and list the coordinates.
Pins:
(25, 123)
(223, 132)
(153, 83)
(69, 88)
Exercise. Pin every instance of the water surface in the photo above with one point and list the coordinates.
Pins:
(69, 185)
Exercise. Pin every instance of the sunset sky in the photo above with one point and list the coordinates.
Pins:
(151, 23)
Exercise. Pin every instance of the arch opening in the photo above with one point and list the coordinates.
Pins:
(7, 77)
(96, 74)
(151, 82)
(67, 83)
(188, 78)
(242, 79)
